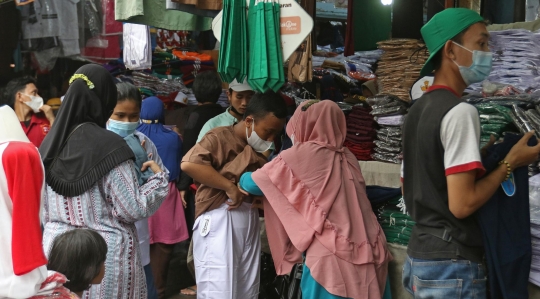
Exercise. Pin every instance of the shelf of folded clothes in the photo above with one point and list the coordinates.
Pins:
(506, 114)
(341, 76)
(516, 59)
(389, 113)
(181, 64)
(361, 132)
(395, 222)
(494, 120)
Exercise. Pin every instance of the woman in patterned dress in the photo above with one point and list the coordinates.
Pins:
(91, 183)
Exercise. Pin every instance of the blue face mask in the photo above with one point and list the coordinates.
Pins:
(479, 69)
(122, 128)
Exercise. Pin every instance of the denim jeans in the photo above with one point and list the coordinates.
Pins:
(151, 288)
(444, 279)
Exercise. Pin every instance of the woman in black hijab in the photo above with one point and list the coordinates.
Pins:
(91, 182)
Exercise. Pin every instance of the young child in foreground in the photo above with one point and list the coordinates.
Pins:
(80, 255)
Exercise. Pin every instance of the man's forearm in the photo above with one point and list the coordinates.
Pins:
(464, 200)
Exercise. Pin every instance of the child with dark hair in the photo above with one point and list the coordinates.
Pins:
(80, 255)
(226, 242)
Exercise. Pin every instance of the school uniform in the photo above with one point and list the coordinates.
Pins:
(226, 242)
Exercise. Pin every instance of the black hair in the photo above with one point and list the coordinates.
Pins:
(128, 92)
(79, 255)
(13, 87)
(262, 104)
(207, 87)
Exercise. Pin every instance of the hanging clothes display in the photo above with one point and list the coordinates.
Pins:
(266, 59)
(137, 47)
(300, 68)
(110, 25)
(171, 39)
(232, 63)
(192, 9)
(203, 4)
(68, 33)
(40, 19)
(102, 49)
(154, 13)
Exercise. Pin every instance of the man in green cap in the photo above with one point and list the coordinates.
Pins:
(442, 163)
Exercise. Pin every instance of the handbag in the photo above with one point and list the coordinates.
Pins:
(288, 286)
(300, 63)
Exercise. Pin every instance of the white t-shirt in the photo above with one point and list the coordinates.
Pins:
(460, 137)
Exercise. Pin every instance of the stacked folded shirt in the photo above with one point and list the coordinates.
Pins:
(516, 59)
(395, 222)
(494, 120)
(360, 133)
(156, 85)
(362, 64)
(179, 64)
(400, 66)
(389, 112)
(526, 120)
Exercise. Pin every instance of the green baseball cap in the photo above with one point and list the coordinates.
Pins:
(443, 27)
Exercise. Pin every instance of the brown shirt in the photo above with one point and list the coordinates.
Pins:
(230, 156)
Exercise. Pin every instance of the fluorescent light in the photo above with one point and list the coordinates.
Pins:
(386, 2)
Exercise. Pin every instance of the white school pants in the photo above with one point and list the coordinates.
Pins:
(226, 251)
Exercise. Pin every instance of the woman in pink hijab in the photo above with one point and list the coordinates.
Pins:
(316, 205)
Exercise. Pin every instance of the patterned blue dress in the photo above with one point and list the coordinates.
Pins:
(110, 207)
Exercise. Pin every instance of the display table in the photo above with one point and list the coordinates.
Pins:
(381, 174)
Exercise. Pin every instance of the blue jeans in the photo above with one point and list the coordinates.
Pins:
(151, 288)
(444, 279)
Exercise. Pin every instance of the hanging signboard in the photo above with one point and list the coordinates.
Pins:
(296, 25)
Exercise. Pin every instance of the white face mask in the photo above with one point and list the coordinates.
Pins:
(35, 102)
(256, 142)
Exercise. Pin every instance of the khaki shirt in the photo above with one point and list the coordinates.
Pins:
(230, 156)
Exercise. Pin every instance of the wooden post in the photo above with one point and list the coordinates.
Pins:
(449, 3)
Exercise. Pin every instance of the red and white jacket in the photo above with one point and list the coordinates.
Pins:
(22, 261)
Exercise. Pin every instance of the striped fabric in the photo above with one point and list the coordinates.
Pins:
(111, 207)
